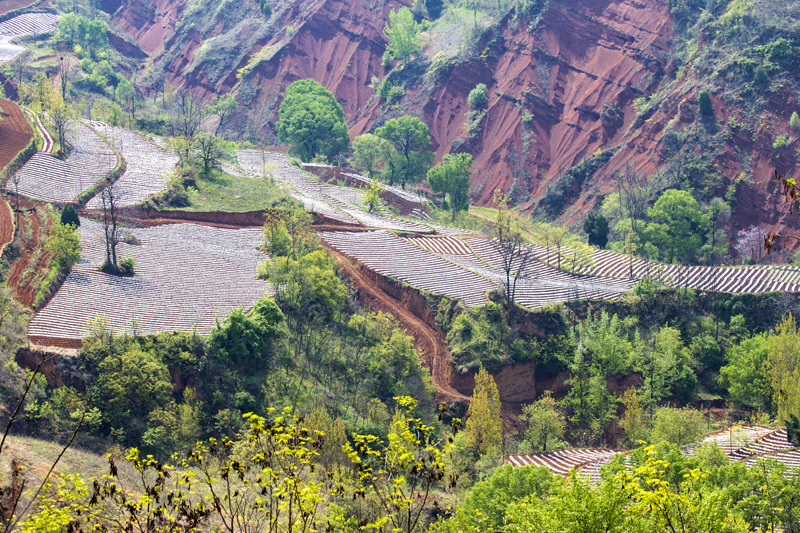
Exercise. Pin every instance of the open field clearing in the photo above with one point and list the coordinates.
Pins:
(147, 165)
(47, 178)
(186, 277)
(25, 24)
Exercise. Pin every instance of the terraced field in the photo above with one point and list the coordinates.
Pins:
(47, 178)
(746, 443)
(561, 462)
(393, 256)
(147, 165)
(186, 277)
(760, 278)
(25, 24)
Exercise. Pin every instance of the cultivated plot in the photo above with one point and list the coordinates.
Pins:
(186, 277)
(48, 178)
(21, 25)
(395, 257)
(147, 166)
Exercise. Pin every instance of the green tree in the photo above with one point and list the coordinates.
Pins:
(717, 215)
(129, 385)
(484, 426)
(266, 9)
(574, 505)
(312, 121)
(451, 177)
(69, 215)
(678, 426)
(666, 368)
(369, 153)
(223, 106)
(210, 150)
(372, 198)
(794, 121)
(403, 34)
(678, 227)
(409, 136)
(783, 368)
(706, 107)
(486, 504)
(249, 340)
(545, 423)
(478, 97)
(64, 245)
(745, 374)
(596, 227)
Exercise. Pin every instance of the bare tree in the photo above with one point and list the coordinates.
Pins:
(110, 197)
(515, 254)
(60, 114)
(635, 190)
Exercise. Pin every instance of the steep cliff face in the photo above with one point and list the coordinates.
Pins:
(560, 91)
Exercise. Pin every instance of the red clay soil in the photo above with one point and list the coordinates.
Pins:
(22, 274)
(6, 224)
(11, 5)
(15, 132)
(427, 340)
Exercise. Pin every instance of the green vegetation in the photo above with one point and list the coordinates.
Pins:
(478, 96)
(219, 191)
(312, 121)
(451, 178)
(403, 34)
(410, 137)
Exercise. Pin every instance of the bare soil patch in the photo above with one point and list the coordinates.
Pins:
(15, 132)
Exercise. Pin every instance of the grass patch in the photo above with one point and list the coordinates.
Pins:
(233, 194)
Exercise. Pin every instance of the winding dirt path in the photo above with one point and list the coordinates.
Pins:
(427, 341)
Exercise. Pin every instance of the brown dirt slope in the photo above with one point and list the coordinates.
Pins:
(15, 132)
(11, 5)
(427, 340)
(6, 224)
(30, 263)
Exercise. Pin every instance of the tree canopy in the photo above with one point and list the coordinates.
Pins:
(451, 177)
(312, 121)
(410, 136)
(403, 34)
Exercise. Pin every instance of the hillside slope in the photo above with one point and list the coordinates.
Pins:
(597, 80)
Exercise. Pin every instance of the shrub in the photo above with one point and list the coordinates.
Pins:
(794, 122)
(127, 266)
(706, 107)
(70, 216)
(478, 97)
(779, 142)
(395, 95)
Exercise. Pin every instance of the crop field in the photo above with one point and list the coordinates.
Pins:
(186, 277)
(759, 278)
(25, 24)
(747, 443)
(47, 178)
(395, 257)
(147, 165)
(562, 461)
